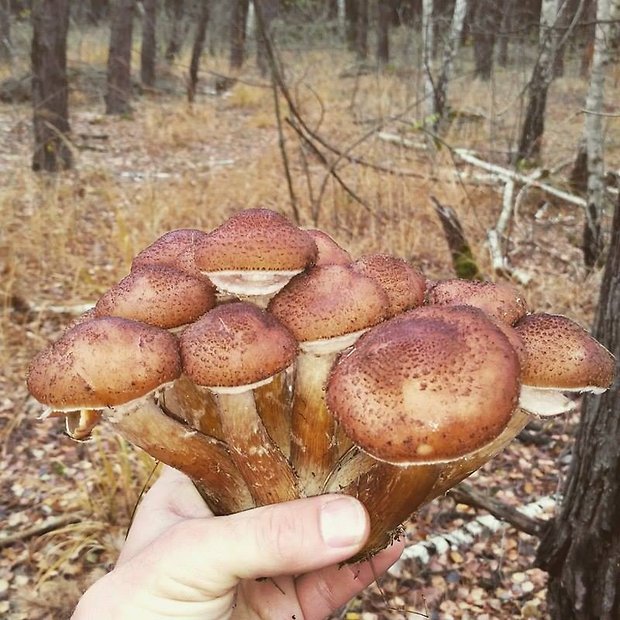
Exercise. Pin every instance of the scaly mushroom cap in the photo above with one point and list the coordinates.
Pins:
(499, 300)
(236, 344)
(562, 355)
(104, 362)
(404, 285)
(329, 252)
(329, 301)
(158, 295)
(256, 240)
(431, 385)
(173, 249)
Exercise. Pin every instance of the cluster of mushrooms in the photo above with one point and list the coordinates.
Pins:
(267, 364)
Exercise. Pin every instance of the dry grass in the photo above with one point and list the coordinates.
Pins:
(65, 239)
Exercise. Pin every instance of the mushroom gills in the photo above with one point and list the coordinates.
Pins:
(547, 402)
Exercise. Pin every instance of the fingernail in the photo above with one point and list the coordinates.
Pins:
(342, 522)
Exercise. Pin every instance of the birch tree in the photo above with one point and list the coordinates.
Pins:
(534, 123)
(591, 150)
(449, 53)
(427, 58)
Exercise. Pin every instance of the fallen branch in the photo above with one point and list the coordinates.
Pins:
(422, 551)
(466, 494)
(55, 523)
(503, 174)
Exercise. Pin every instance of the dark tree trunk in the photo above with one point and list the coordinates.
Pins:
(361, 44)
(505, 35)
(581, 548)
(148, 52)
(50, 23)
(332, 10)
(118, 92)
(533, 128)
(238, 25)
(486, 24)
(5, 31)
(178, 30)
(565, 18)
(351, 15)
(199, 43)
(579, 174)
(588, 38)
(384, 18)
(269, 11)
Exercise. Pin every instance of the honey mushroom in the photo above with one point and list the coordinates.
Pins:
(119, 367)
(420, 390)
(344, 382)
(230, 351)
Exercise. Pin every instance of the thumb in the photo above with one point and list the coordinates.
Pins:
(212, 555)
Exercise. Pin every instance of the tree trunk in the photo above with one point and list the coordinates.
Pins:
(269, 11)
(5, 31)
(118, 92)
(238, 26)
(505, 35)
(351, 15)
(50, 24)
(589, 35)
(581, 548)
(331, 10)
(199, 43)
(148, 52)
(384, 18)
(427, 60)
(178, 30)
(593, 134)
(533, 128)
(361, 44)
(96, 11)
(487, 20)
(573, 7)
(450, 51)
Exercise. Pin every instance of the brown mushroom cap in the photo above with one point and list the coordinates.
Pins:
(431, 385)
(329, 301)
(236, 344)
(158, 295)
(329, 252)
(404, 285)
(256, 240)
(173, 249)
(500, 300)
(104, 362)
(562, 355)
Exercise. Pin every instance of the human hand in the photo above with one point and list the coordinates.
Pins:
(278, 562)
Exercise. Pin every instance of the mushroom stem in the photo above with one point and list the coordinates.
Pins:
(455, 471)
(261, 463)
(273, 403)
(195, 407)
(314, 436)
(391, 493)
(204, 459)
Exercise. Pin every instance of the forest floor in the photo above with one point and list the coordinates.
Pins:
(65, 239)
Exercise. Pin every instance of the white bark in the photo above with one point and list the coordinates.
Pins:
(593, 126)
(427, 57)
(450, 51)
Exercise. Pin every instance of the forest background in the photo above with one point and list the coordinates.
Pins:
(465, 136)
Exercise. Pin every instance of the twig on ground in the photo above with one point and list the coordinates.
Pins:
(54, 523)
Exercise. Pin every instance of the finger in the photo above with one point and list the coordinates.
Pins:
(288, 538)
(172, 499)
(323, 591)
